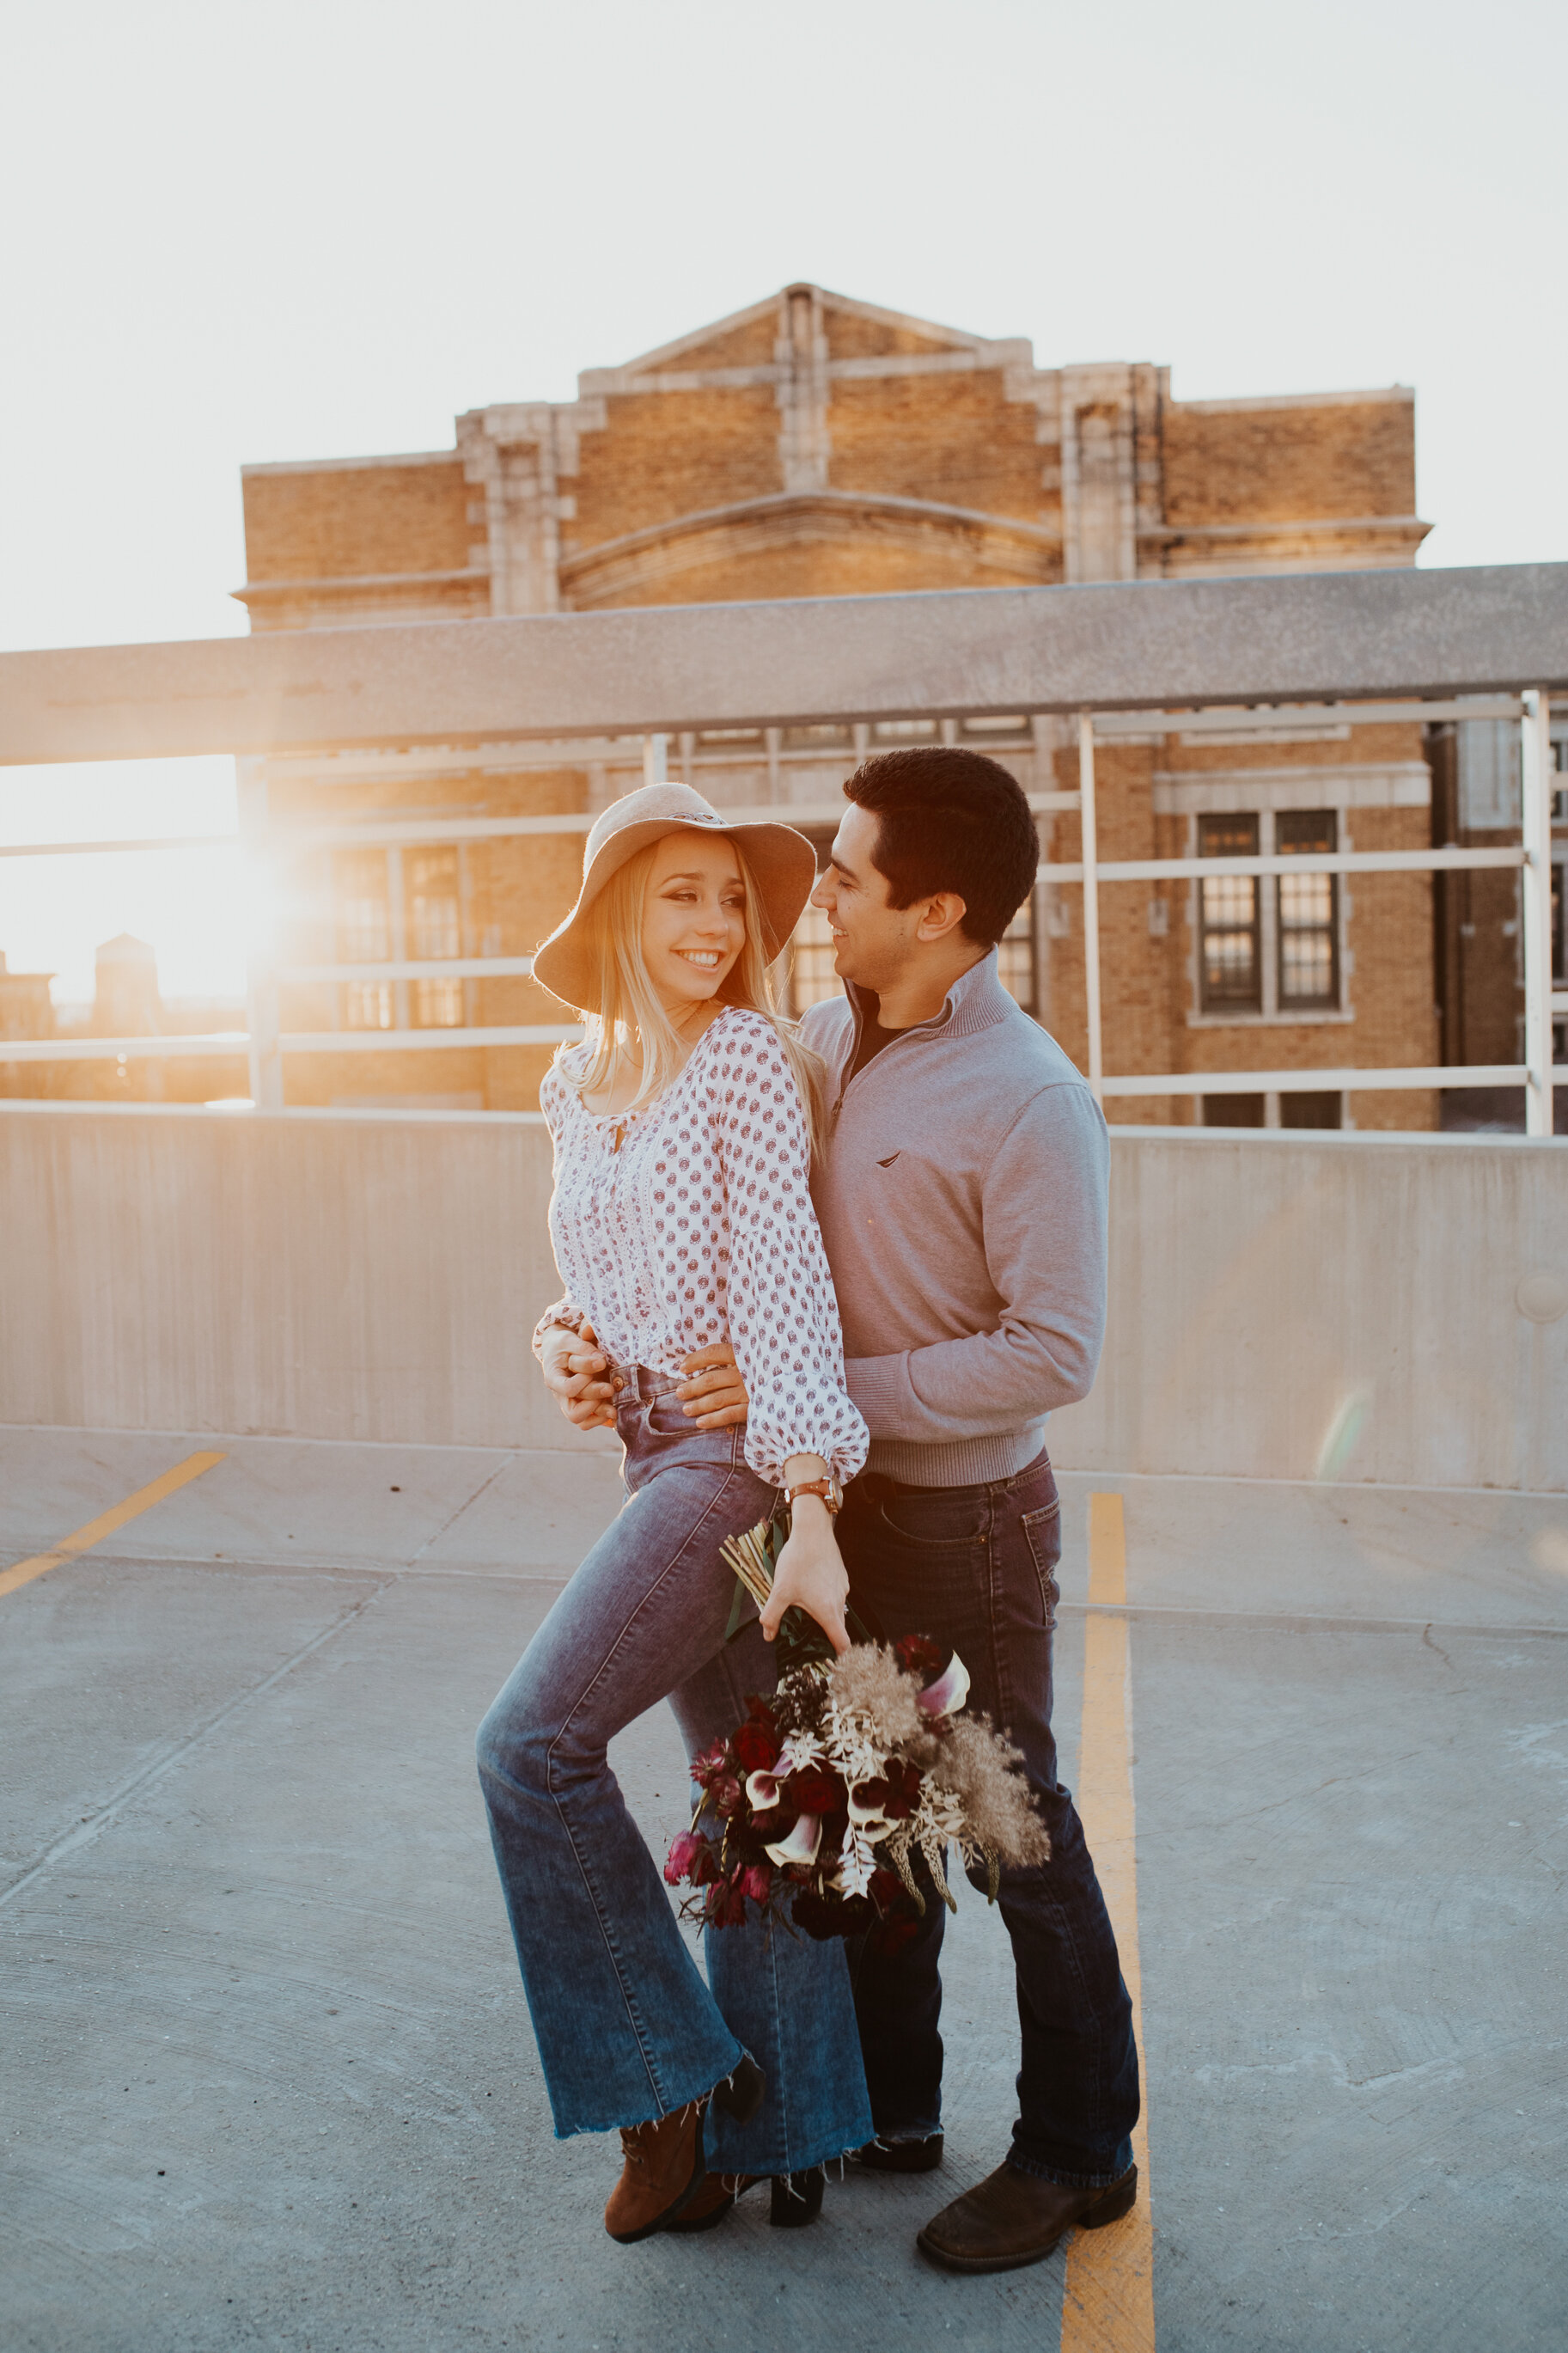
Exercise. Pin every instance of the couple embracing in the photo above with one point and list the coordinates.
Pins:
(853, 1264)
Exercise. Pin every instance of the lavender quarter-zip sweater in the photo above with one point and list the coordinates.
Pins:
(964, 1198)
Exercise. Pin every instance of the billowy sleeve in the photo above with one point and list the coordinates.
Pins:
(562, 1314)
(782, 1311)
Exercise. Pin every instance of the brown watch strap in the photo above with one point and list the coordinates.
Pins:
(829, 1489)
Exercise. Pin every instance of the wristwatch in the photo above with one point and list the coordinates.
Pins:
(830, 1491)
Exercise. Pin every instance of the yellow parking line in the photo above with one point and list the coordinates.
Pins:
(1108, 2304)
(107, 1521)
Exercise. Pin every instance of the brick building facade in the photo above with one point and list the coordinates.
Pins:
(816, 446)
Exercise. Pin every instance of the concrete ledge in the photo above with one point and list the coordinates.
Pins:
(1284, 1305)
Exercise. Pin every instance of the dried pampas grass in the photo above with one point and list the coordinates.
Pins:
(869, 1681)
(984, 1772)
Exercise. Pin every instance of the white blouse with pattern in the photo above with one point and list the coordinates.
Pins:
(700, 1228)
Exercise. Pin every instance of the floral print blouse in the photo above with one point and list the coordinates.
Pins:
(689, 1219)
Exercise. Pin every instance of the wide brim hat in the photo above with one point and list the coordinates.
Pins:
(783, 865)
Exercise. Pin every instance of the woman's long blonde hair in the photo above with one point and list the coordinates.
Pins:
(631, 1015)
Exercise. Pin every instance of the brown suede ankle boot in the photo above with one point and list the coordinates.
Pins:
(711, 2200)
(662, 2174)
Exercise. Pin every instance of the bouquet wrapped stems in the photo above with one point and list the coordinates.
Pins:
(755, 1555)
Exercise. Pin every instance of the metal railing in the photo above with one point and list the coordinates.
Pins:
(268, 1046)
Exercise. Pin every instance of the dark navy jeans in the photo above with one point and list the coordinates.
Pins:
(627, 2028)
(975, 1567)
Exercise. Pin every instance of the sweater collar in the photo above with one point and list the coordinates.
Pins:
(976, 1001)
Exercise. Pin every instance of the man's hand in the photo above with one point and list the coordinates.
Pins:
(714, 1392)
(575, 1370)
(810, 1574)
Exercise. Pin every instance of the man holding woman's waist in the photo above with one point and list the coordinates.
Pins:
(959, 1179)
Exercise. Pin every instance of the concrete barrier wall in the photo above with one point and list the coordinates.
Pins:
(1282, 1305)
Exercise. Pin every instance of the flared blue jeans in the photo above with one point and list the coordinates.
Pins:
(627, 2028)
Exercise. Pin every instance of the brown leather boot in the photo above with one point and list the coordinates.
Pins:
(1014, 2218)
(711, 2200)
(662, 2174)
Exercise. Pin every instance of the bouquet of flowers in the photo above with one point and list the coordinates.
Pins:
(818, 1803)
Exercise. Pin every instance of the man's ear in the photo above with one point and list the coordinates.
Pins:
(940, 915)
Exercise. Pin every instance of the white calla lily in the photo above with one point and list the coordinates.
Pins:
(949, 1692)
(761, 1792)
(802, 1843)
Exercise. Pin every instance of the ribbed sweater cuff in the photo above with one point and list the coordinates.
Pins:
(879, 1388)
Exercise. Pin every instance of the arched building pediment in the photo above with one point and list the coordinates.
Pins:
(811, 543)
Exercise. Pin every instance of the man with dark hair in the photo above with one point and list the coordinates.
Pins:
(963, 1198)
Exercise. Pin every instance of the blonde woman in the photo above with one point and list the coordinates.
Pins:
(680, 1216)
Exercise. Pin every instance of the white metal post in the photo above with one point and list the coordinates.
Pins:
(1535, 887)
(265, 1059)
(1090, 901)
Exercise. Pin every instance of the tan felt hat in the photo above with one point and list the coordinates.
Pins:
(783, 864)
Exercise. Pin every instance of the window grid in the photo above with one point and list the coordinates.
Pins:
(1307, 913)
(1229, 966)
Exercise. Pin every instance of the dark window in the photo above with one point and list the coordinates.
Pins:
(1229, 972)
(1311, 1110)
(1308, 912)
(1233, 1111)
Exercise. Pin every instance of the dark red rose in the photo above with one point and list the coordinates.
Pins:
(756, 1747)
(884, 1889)
(817, 1790)
(919, 1655)
(903, 1790)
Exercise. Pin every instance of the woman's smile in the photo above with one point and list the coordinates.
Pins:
(694, 920)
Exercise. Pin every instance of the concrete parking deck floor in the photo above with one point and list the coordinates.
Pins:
(271, 2078)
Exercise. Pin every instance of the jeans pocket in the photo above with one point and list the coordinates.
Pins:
(936, 1523)
(667, 1417)
(1042, 1534)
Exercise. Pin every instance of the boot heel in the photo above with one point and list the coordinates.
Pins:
(1118, 2201)
(796, 2198)
(740, 2094)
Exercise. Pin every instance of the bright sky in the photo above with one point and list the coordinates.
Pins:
(304, 230)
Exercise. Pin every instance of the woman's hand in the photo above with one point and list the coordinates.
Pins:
(810, 1574)
(713, 1392)
(573, 1369)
